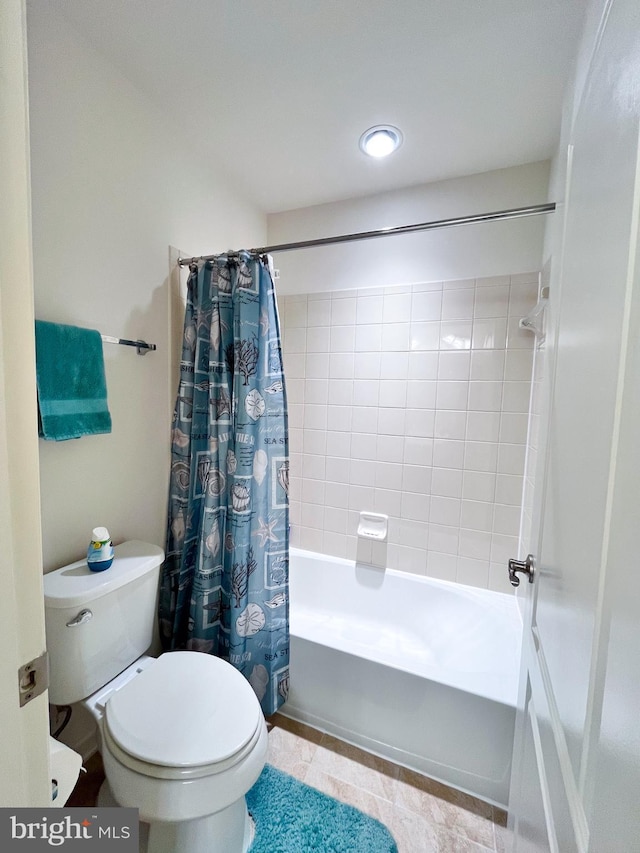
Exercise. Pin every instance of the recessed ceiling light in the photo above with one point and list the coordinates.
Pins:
(381, 140)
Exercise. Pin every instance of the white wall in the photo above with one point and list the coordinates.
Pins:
(115, 183)
(470, 251)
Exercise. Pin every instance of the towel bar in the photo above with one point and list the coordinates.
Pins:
(142, 347)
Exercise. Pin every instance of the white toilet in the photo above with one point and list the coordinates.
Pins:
(182, 736)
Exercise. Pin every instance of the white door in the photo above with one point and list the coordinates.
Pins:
(24, 731)
(589, 489)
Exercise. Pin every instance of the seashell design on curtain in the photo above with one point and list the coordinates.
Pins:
(224, 584)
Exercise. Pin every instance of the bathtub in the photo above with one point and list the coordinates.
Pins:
(420, 671)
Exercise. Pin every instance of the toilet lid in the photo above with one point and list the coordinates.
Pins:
(187, 709)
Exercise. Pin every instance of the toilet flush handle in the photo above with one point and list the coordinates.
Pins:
(82, 617)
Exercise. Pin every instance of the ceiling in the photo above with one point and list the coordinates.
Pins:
(278, 92)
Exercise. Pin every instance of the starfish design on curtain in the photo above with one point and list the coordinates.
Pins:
(265, 531)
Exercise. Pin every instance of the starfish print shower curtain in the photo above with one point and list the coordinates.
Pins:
(224, 582)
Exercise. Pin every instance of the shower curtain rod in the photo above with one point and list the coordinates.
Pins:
(513, 213)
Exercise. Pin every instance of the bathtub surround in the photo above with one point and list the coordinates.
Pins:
(412, 401)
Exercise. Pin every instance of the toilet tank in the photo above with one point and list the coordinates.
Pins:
(97, 623)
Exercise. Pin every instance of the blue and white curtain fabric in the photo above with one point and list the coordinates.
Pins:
(225, 580)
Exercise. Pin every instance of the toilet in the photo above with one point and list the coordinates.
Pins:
(182, 736)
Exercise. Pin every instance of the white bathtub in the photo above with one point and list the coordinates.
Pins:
(420, 671)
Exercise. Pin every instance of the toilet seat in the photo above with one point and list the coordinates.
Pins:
(188, 715)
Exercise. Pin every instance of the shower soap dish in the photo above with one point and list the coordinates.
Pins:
(373, 525)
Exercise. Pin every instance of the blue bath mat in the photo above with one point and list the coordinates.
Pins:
(291, 817)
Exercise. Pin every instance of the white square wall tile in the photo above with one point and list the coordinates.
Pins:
(369, 309)
(446, 482)
(319, 312)
(419, 422)
(454, 365)
(477, 515)
(475, 543)
(417, 479)
(343, 312)
(519, 365)
(388, 501)
(297, 314)
(423, 365)
(368, 338)
(472, 572)
(316, 391)
(481, 456)
(341, 365)
(339, 444)
(417, 451)
(455, 334)
(513, 427)
(341, 391)
(478, 486)
(450, 424)
(426, 305)
(390, 448)
(506, 520)
(388, 475)
(489, 333)
(509, 489)
(445, 511)
(448, 453)
(394, 365)
(342, 338)
(425, 336)
(336, 495)
(421, 394)
(516, 396)
(457, 304)
(365, 419)
(511, 458)
(363, 446)
(491, 302)
(415, 507)
(441, 566)
(393, 393)
(318, 339)
(392, 422)
(452, 395)
(316, 365)
(396, 307)
(366, 392)
(443, 538)
(485, 396)
(315, 417)
(396, 337)
(366, 365)
(487, 365)
(483, 426)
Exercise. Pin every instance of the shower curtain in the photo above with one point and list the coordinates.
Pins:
(224, 581)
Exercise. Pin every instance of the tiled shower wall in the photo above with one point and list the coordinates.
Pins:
(411, 401)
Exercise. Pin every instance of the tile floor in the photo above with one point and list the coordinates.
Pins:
(423, 816)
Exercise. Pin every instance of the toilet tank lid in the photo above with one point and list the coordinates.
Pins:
(76, 584)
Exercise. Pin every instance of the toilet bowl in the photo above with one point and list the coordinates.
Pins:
(182, 736)
(182, 741)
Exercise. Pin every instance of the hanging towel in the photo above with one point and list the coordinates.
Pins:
(72, 389)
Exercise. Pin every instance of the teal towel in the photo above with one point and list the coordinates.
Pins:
(72, 389)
